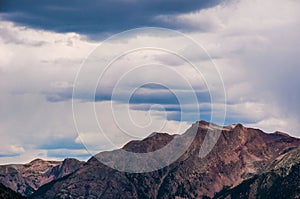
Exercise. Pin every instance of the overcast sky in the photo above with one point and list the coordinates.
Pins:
(254, 45)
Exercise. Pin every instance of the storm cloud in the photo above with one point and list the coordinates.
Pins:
(94, 17)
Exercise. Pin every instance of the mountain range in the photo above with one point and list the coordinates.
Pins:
(243, 163)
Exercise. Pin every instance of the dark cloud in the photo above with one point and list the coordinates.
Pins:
(145, 97)
(155, 95)
(6, 155)
(163, 97)
(154, 98)
(63, 143)
(96, 16)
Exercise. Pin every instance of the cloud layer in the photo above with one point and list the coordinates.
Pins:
(254, 44)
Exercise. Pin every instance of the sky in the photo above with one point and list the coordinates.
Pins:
(55, 104)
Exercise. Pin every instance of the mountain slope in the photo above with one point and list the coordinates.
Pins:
(27, 178)
(7, 193)
(240, 153)
(280, 180)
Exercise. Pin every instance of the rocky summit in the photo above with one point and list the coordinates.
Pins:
(243, 163)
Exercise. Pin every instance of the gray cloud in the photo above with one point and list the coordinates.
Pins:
(60, 143)
(94, 17)
(2, 155)
(143, 101)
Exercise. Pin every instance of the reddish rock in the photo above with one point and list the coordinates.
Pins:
(239, 154)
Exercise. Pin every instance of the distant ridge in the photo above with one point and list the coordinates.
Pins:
(27, 178)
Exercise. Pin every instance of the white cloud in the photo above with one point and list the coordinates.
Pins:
(272, 124)
(16, 149)
(11, 150)
(26, 72)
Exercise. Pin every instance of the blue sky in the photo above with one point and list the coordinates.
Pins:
(253, 44)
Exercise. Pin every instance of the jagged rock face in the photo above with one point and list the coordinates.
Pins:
(27, 178)
(240, 153)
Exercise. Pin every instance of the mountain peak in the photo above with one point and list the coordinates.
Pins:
(281, 133)
(37, 160)
(203, 123)
(151, 143)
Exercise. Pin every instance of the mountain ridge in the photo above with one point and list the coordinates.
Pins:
(280, 180)
(240, 153)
